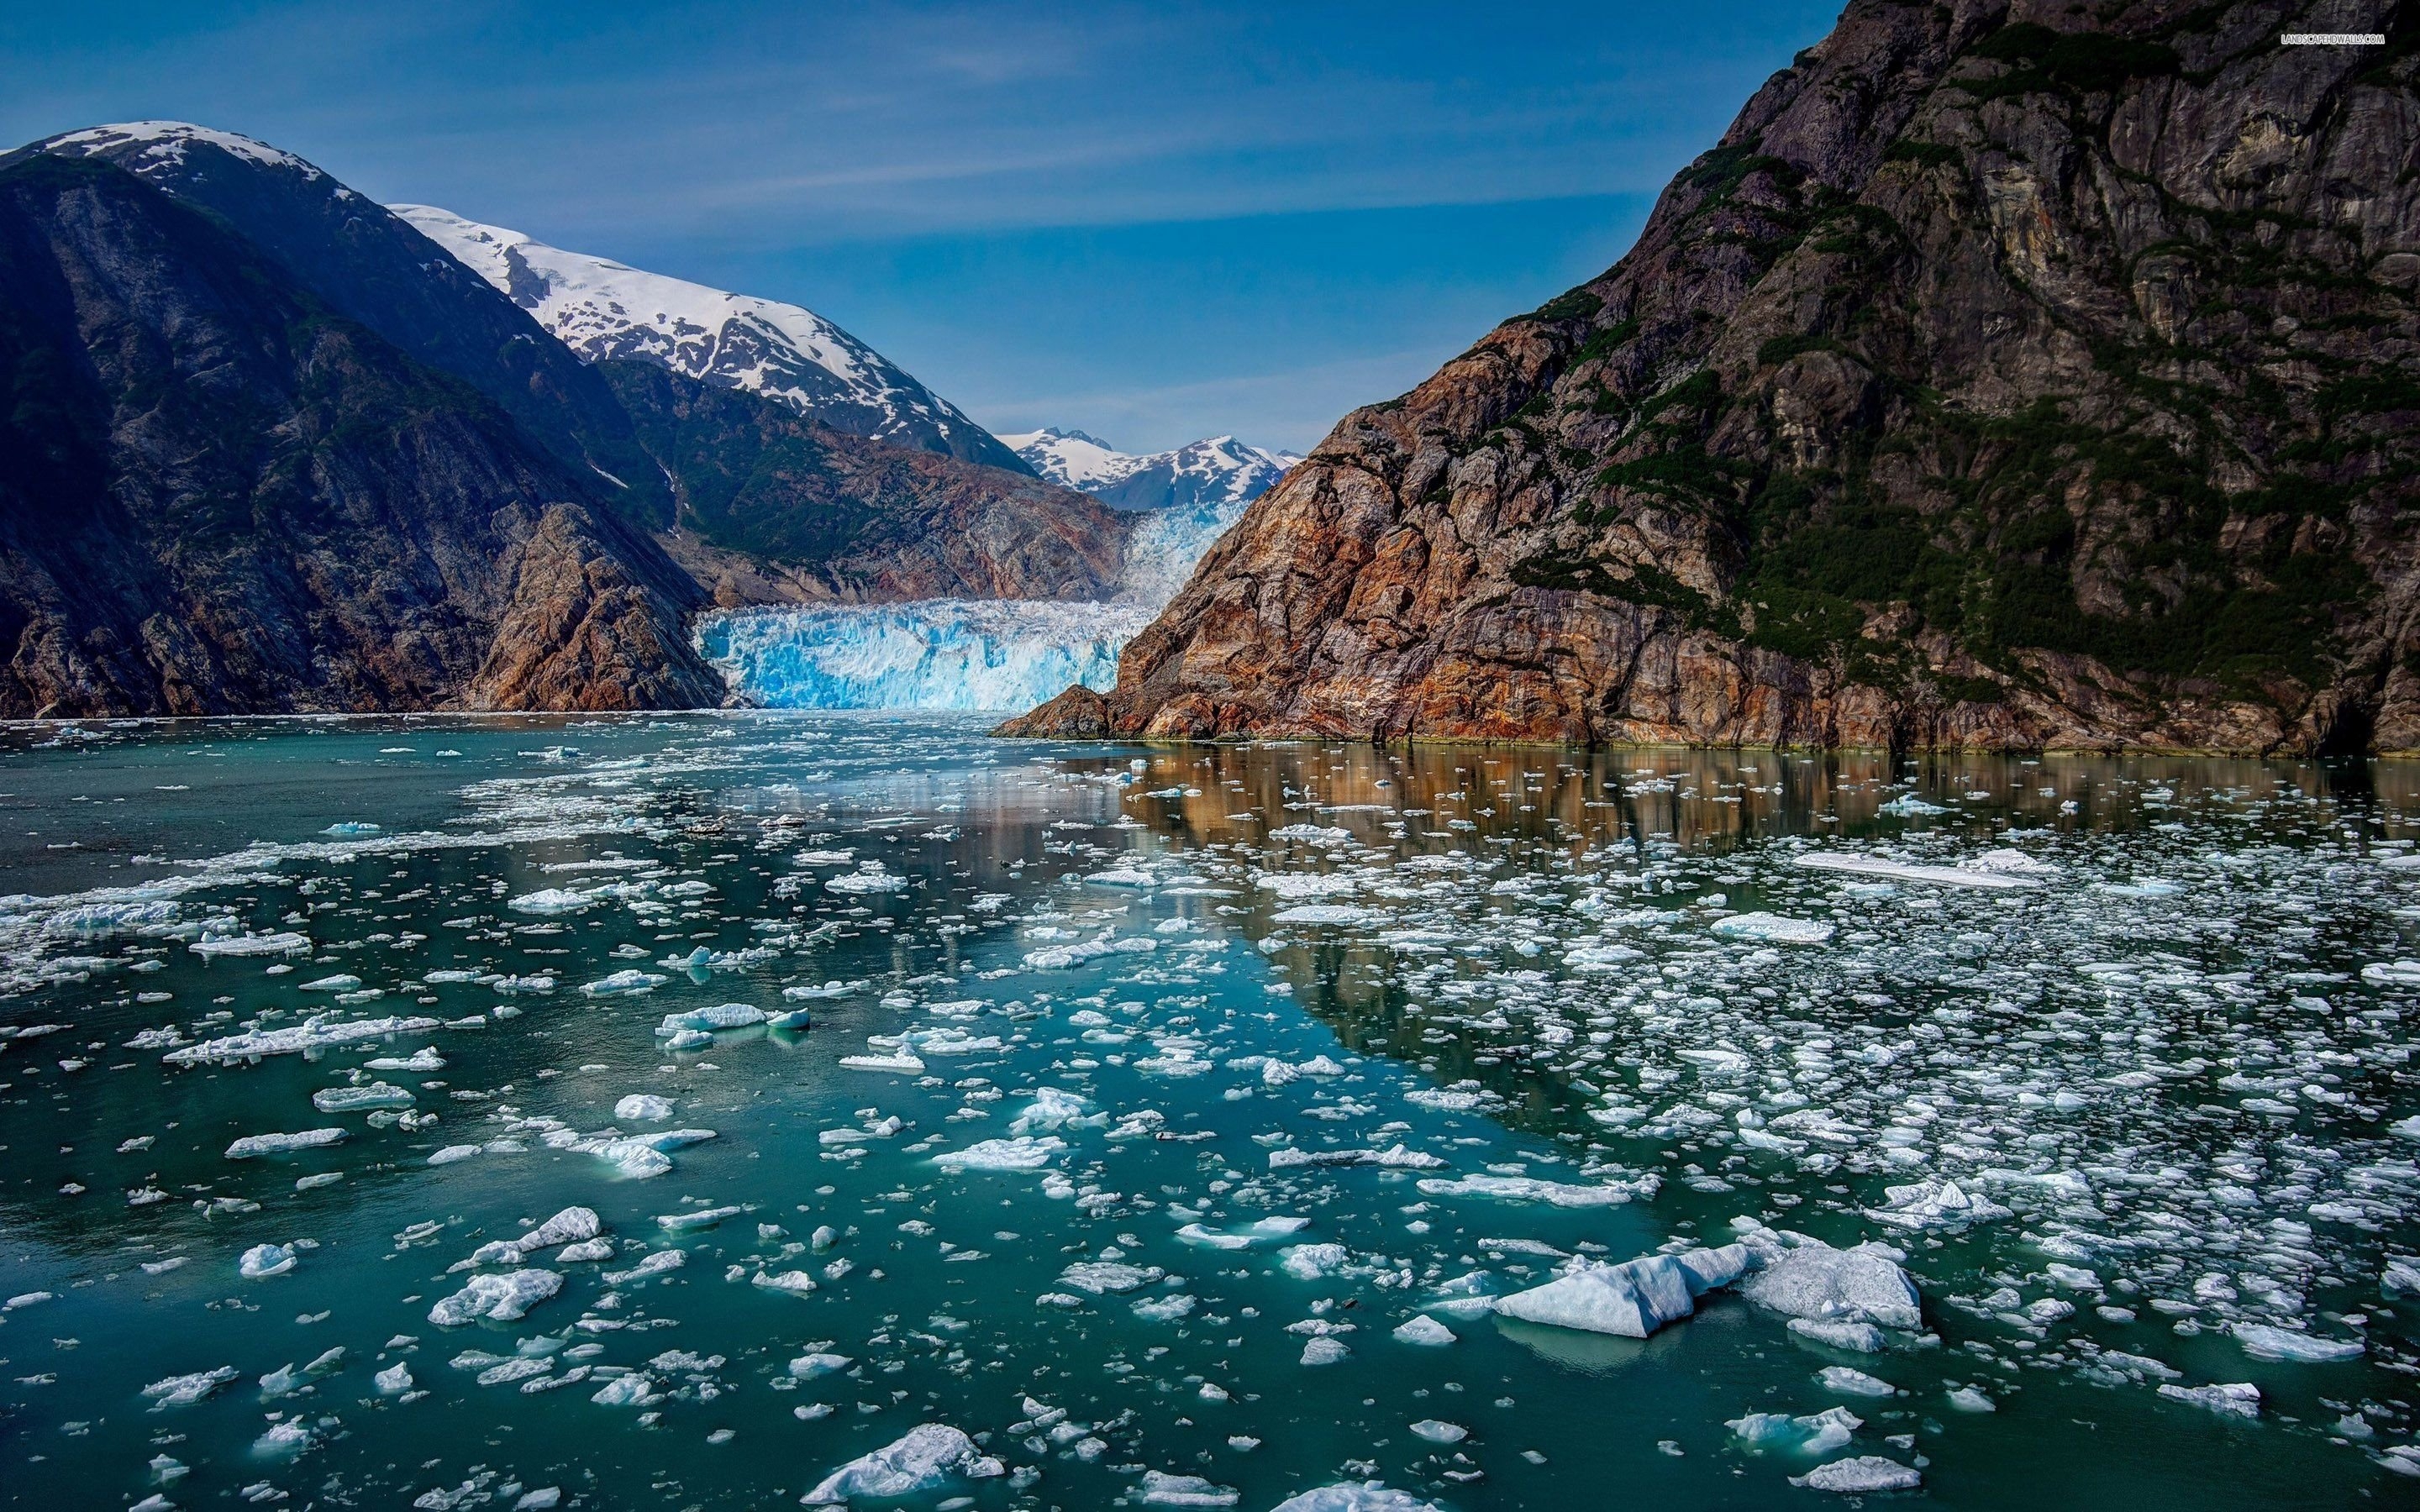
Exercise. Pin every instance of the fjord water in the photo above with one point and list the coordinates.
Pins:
(2156, 1045)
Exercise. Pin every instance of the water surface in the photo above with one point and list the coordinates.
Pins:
(2177, 1054)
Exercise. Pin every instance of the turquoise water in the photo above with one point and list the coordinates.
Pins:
(2157, 1056)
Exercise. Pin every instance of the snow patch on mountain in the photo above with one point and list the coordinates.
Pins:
(1218, 470)
(605, 310)
(167, 141)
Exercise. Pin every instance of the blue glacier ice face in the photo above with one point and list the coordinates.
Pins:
(957, 654)
(933, 653)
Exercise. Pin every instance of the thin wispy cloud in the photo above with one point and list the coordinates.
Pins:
(886, 163)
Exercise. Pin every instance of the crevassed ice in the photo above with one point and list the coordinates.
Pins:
(957, 654)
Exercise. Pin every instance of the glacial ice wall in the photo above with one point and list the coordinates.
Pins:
(957, 654)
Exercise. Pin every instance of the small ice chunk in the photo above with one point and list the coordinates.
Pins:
(502, 1298)
(1850, 1383)
(1773, 928)
(1437, 1431)
(643, 1107)
(1159, 1490)
(1324, 1351)
(252, 1147)
(264, 1260)
(1969, 1399)
(1024, 1153)
(1631, 1300)
(1347, 1496)
(1866, 1472)
(1816, 1281)
(184, 1391)
(2241, 1398)
(1862, 1338)
(1423, 1330)
(2264, 1341)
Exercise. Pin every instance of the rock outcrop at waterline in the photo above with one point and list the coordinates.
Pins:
(2011, 375)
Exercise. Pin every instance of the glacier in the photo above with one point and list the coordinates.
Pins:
(962, 654)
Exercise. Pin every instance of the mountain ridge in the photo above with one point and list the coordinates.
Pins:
(1214, 471)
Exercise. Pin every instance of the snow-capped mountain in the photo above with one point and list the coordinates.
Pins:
(1216, 471)
(603, 309)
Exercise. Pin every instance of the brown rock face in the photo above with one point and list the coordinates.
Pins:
(1079, 714)
(2009, 375)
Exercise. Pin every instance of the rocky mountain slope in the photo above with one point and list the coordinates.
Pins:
(776, 507)
(1206, 473)
(219, 495)
(2011, 374)
(272, 449)
(605, 311)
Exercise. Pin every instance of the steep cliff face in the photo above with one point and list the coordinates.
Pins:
(218, 495)
(2023, 373)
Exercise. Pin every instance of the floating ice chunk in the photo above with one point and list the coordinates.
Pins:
(1773, 928)
(1102, 1276)
(797, 1283)
(184, 1391)
(870, 877)
(2264, 1341)
(927, 1458)
(1861, 865)
(27, 1299)
(343, 982)
(655, 1264)
(351, 829)
(630, 979)
(808, 1366)
(1969, 1399)
(312, 1033)
(361, 1099)
(1817, 1433)
(688, 1223)
(424, 1060)
(633, 1390)
(1814, 1280)
(252, 1147)
(504, 1299)
(1438, 1431)
(1324, 1351)
(2392, 973)
(643, 1107)
(1055, 1108)
(288, 1438)
(1423, 1330)
(1023, 1154)
(1346, 1496)
(903, 1062)
(1866, 1472)
(1160, 1489)
(1936, 1204)
(1632, 1298)
(1122, 876)
(283, 943)
(1842, 1379)
(264, 1260)
(1907, 804)
(1310, 1262)
(393, 1380)
(1865, 1338)
(1530, 1189)
(1324, 914)
(711, 1020)
(2241, 1398)
(551, 900)
(831, 989)
(1265, 1229)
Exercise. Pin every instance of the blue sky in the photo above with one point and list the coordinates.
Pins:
(1152, 221)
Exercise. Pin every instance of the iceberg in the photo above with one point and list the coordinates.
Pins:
(1632, 1298)
(926, 1458)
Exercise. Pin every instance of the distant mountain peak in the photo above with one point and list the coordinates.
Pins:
(1218, 470)
(605, 310)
